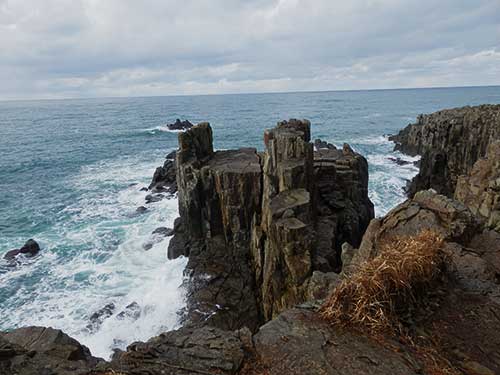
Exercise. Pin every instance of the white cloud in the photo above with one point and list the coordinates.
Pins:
(68, 48)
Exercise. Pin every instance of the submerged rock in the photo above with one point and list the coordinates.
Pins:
(163, 231)
(29, 249)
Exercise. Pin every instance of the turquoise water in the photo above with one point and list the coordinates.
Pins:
(66, 174)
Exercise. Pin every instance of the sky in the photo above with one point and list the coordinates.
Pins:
(101, 48)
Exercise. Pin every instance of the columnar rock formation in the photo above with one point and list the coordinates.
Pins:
(450, 142)
(480, 189)
(256, 226)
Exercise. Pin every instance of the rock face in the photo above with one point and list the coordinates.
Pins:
(480, 189)
(256, 226)
(164, 178)
(39, 350)
(450, 142)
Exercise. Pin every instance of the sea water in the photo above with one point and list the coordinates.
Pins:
(71, 173)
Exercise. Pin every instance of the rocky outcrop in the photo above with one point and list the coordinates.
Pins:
(450, 142)
(164, 177)
(480, 189)
(39, 350)
(256, 226)
(204, 350)
(180, 125)
(29, 249)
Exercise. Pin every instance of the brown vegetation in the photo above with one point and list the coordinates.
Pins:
(388, 286)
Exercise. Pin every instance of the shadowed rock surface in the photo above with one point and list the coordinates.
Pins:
(450, 142)
(40, 350)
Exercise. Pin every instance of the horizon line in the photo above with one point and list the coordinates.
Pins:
(253, 93)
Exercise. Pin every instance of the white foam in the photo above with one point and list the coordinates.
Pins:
(163, 128)
(103, 261)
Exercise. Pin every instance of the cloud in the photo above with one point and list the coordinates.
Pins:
(86, 48)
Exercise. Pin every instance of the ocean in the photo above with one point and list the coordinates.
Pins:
(71, 173)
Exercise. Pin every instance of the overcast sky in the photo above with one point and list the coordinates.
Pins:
(93, 48)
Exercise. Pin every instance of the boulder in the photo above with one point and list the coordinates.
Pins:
(164, 178)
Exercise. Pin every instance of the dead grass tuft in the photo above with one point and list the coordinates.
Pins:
(385, 288)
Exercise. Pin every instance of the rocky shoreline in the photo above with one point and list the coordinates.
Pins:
(269, 235)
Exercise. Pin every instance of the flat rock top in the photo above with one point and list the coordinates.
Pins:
(244, 160)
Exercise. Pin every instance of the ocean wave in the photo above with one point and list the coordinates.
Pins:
(162, 129)
(94, 256)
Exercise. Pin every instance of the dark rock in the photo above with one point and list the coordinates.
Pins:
(132, 311)
(100, 315)
(171, 155)
(141, 209)
(450, 142)
(164, 178)
(180, 125)
(29, 249)
(164, 231)
(147, 246)
(143, 189)
(39, 350)
(320, 144)
(400, 161)
(152, 198)
(189, 350)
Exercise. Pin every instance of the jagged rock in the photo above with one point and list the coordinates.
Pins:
(131, 311)
(164, 178)
(450, 142)
(180, 125)
(29, 249)
(39, 350)
(320, 144)
(201, 350)
(100, 315)
(320, 285)
(480, 189)
(399, 161)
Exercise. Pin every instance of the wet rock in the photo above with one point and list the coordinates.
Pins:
(132, 311)
(450, 142)
(29, 249)
(143, 189)
(141, 209)
(189, 350)
(180, 125)
(39, 350)
(100, 315)
(163, 231)
(164, 178)
(399, 161)
(152, 198)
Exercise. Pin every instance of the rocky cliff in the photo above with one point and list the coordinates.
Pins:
(257, 225)
(450, 142)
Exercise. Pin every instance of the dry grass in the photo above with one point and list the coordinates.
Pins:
(387, 287)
